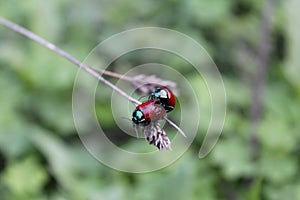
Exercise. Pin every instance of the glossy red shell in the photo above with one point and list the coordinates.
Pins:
(171, 96)
(151, 110)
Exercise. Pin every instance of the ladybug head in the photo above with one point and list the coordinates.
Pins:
(139, 118)
(160, 93)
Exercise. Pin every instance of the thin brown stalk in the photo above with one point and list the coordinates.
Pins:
(175, 126)
(49, 45)
(94, 72)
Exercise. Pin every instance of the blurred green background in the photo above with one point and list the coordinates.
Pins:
(257, 156)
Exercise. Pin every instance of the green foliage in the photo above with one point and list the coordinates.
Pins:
(41, 156)
(233, 155)
(25, 178)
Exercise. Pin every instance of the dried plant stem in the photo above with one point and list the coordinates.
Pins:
(114, 74)
(94, 72)
(175, 126)
(64, 54)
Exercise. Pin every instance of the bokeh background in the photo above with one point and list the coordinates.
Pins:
(255, 44)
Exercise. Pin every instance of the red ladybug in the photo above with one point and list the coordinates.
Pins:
(148, 111)
(165, 97)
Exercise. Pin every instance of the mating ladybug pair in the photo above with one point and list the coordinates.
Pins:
(161, 101)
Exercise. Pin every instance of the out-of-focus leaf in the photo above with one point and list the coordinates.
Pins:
(80, 178)
(254, 193)
(279, 129)
(26, 177)
(208, 12)
(10, 98)
(176, 182)
(237, 93)
(287, 191)
(293, 29)
(233, 156)
(238, 101)
(276, 135)
(114, 192)
(54, 112)
(15, 141)
(277, 168)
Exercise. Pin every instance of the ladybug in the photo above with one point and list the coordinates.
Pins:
(148, 111)
(165, 97)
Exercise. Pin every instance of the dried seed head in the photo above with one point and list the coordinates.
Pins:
(156, 136)
(147, 84)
